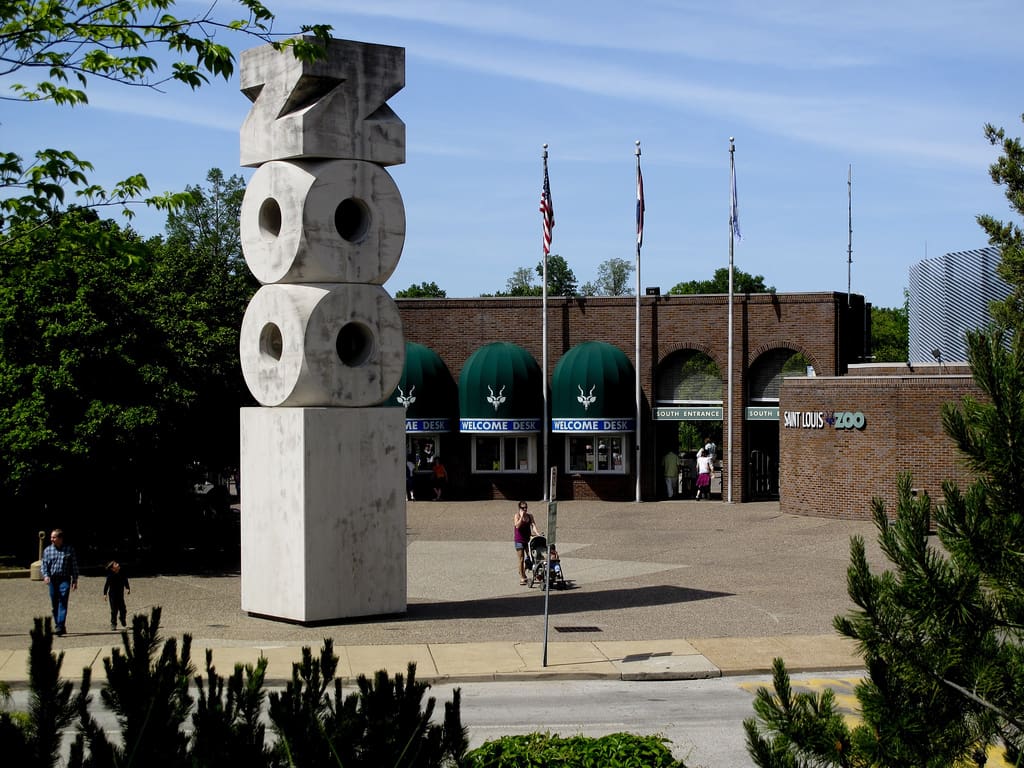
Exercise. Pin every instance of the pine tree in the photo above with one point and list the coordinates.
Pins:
(940, 631)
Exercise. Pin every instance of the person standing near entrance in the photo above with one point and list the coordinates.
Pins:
(440, 478)
(670, 467)
(59, 569)
(704, 467)
(711, 449)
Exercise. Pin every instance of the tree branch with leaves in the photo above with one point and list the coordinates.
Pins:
(61, 46)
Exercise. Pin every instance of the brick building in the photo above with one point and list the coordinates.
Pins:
(845, 439)
(493, 448)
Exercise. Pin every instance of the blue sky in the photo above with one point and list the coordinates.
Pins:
(899, 91)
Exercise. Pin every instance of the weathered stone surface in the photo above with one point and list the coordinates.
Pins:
(322, 226)
(332, 108)
(328, 344)
(323, 521)
(339, 221)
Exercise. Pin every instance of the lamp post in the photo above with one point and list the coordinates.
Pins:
(35, 571)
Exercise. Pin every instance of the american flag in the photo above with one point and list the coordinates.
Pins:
(639, 205)
(547, 209)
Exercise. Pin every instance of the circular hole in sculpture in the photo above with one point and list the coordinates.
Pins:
(352, 219)
(270, 218)
(271, 341)
(355, 344)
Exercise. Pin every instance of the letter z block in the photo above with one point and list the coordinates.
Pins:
(333, 108)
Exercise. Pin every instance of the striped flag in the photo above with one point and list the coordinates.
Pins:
(639, 204)
(547, 210)
(734, 209)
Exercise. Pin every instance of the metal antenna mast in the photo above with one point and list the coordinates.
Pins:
(849, 218)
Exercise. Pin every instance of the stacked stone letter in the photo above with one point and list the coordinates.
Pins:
(322, 226)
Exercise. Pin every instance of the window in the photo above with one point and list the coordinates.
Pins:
(689, 376)
(504, 454)
(597, 453)
(771, 368)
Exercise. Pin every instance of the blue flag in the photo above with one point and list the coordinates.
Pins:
(734, 210)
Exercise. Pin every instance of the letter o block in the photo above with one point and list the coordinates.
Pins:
(322, 345)
(337, 221)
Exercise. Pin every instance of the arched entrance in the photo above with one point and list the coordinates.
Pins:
(688, 411)
(761, 418)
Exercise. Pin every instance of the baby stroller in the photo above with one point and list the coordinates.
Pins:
(538, 549)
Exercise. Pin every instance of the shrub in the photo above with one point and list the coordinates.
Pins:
(542, 750)
(384, 723)
(227, 729)
(147, 689)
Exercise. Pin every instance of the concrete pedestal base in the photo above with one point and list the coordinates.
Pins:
(323, 512)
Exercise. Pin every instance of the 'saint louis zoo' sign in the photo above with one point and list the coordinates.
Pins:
(821, 419)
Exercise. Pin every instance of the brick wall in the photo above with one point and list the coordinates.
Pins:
(831, 472)
(820, 325)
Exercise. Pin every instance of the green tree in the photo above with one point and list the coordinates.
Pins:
(520, 284)
(1008, 171)
(148, 689)
(942, 629)
(384, 721)
(78, 376)
(742, 282)
(424, 290)
(119, 369)
(200, 287)
(561, 280)
(612, 279)
(890, 332)
(61, 47)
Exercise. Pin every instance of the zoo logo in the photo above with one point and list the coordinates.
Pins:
(846, 419)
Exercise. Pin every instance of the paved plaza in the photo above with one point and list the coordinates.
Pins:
(658, 589)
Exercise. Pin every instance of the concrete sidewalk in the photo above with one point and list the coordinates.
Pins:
(501, 661)
(742, 584)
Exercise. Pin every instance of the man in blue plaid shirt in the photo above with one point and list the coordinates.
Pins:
(60, 572)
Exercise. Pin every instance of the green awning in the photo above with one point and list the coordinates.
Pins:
(500, 390)
(426, 391)
(593, 389)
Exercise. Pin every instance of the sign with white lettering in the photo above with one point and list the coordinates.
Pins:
(499, 425)
(428, 425)
(593, 425)
(762, 413)
(822, 419)
(688, 413)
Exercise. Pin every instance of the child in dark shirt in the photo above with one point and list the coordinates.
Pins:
(113, 591)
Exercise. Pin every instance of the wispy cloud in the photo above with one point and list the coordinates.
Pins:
(789, 34)
(868, 123)
(203, 110)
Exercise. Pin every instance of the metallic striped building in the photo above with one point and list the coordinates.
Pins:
(948, 296)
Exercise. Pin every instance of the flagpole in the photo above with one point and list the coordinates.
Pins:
(732, 232)
(545, 209)
(849, 221)
(639, 242)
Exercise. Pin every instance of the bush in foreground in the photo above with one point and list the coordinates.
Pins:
(385, 721)
(542, 750)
